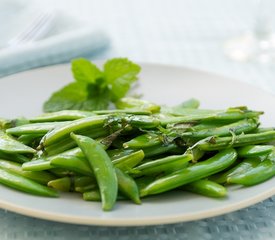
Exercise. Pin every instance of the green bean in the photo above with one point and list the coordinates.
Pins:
(200, 170)
(24, 184)
(254, 150)
(217, 143)
(102, 167)
(206, 188)
(10, 145)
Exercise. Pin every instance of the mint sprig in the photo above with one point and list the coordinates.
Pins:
(94, 89)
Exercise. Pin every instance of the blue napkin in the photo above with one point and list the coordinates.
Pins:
(67, 38)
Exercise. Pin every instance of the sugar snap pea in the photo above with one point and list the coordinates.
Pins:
(103, 169)
(166, 164)
(34, 128)
(24, 184)
(40, 177)
(254, 150)
(217, 143)
(64, 115)
(258, 174)
(76, 125)
(127, 186)
(242, 126)
(200, 170)
(206, 188)
(241, 168)
(10, 145)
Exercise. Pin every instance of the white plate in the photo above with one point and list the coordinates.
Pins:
(23, 94)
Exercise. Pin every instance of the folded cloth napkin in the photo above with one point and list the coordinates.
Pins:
(67, 38)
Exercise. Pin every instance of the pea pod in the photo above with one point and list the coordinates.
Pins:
(95, 196)
(134, 111)
(63, 184)
(40, 177)
(15, 157)
(67, 143)
(30, 139)
(76, 125)
(10, 145)
(70, 183)
(230, 115)
(217, 143)
(242, 126)
(241, 168)
(254, 150)
(161, 165)
(159, 149)
(76, 164)
(24, 184)
(37, 165)
(133, 103)
(144, 140)
(260, 173)
(127, 162)
(64, 115)
(206, 188)
(34, 128)
(127, 186)
(103, 169)
(200, 170)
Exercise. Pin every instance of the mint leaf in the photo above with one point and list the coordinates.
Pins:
(85, 71)
(119, 74)
(94, 89)
(78, 96)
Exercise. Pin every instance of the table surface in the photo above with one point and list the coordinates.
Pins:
(184, 33)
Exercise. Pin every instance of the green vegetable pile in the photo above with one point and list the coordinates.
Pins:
(134, 150)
